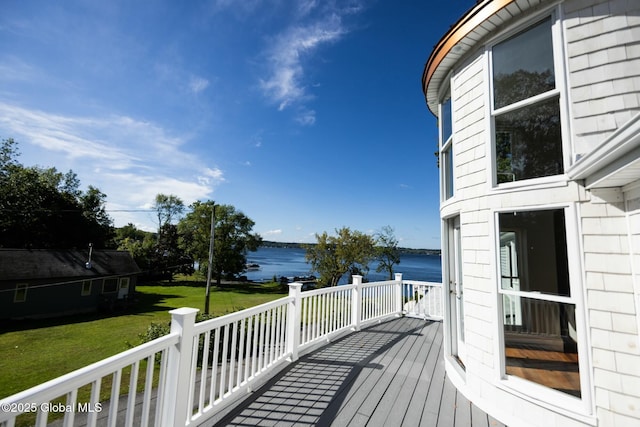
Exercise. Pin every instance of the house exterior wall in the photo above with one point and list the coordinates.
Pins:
(46, 299)
(611, 309)
(603, 55)
(601, 92)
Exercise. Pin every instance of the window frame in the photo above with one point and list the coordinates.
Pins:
(446, 153)
(109, 280)
(84, 289)
(549, 397)
(20, 289)
(554, 13)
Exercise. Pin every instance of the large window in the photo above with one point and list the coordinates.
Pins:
(526, 106)
(446, 148)
(538, 311)
(110, 286)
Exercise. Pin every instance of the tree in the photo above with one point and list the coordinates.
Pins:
(8, 155)
(387, 252)
(140, 244)
(334, 256)
(168, 209)
(233, 238)
(44, 208)
(166, 258)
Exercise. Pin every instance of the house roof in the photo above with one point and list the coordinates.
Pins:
(30, 264)
(464, 36)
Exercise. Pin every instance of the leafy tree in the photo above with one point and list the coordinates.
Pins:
(8, 154)
(168, 209)
(168, 258)
(44, 208)
(334, 256)
(233, 237)
(387, 252)
(130, 231)
(140, 244)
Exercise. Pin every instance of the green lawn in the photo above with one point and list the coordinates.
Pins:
(32, 352)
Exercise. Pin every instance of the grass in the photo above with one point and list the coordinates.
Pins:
(33, 352)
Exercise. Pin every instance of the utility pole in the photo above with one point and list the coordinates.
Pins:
(208, 289)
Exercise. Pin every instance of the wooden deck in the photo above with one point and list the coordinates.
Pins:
(390, 374)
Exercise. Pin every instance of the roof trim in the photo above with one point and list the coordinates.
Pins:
(606, 163)
(461, 29)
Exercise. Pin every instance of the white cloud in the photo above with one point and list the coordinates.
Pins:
(198, 84)
(272, 232)
(285, 83)
(306, 117)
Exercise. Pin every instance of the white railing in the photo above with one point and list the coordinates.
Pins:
(199, 369)
(422, 299)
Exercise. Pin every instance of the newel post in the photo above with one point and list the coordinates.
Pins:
(356, 302)
(399, 286)
(174, 404)
(294, 316)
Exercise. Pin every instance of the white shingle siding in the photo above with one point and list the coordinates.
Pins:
(468, 97)
(607, 238)
(603, 55)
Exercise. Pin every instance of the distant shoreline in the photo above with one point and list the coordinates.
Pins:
(271, 244)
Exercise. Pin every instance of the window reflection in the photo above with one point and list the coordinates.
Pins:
(528, 142)
(446, 118)
(447, 164)
(523, 65)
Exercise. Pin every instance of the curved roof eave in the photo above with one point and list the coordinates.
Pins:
(456, 42)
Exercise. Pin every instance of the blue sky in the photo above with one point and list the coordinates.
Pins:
(305, 115)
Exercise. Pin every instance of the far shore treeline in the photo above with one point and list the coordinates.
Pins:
(272, 244)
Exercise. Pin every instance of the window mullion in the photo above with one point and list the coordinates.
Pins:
(527, 102)
(538, 296)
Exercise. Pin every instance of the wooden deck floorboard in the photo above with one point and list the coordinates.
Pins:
(389, 374)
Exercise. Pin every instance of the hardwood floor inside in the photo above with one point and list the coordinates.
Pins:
(554, 369)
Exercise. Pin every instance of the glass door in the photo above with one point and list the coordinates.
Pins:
(456, 290)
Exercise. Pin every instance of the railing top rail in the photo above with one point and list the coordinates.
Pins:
(381, 283)
(210, 324)
(80, 377)
(420, 282)
(327, 290)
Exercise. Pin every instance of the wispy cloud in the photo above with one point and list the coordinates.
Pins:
(289, 52)
(306, 117)
(198, 84)
(272, 233)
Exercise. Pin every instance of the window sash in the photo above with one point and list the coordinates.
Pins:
(555, 35)
(20, 294)
(445, 129)
(540, 322)
(85, 288)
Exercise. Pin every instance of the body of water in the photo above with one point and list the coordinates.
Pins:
(290, 262)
